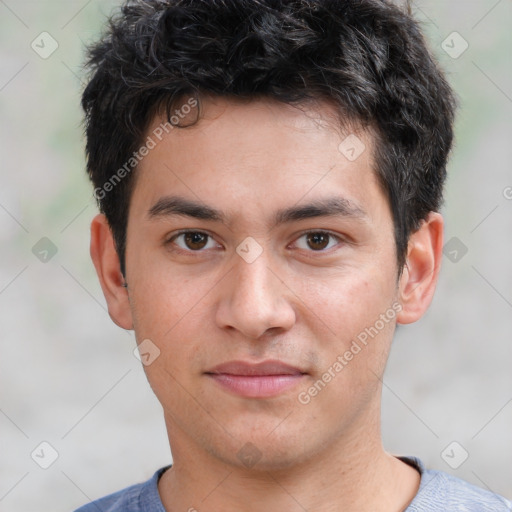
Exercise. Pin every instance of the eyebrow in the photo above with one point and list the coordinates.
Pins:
(169, 206)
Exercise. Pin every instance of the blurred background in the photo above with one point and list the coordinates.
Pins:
(77, 417)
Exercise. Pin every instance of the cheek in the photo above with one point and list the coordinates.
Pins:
(344, 302)
(354, 352)
(163, 309)
(351, 339)
(172, 317)
(166, 298)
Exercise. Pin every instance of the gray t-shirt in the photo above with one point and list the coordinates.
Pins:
(438, 492)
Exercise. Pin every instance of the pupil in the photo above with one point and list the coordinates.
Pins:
(318, 238)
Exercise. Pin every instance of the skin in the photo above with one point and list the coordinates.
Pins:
(295, 302)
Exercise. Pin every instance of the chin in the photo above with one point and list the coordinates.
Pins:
(263, 450)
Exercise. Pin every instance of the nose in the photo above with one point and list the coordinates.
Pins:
(255, 299)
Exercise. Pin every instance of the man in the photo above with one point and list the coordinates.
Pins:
(269, 175)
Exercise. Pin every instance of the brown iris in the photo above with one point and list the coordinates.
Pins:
(318, 241)
(195, 240)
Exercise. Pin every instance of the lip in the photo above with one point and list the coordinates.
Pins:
(256, 380)
(268, 367)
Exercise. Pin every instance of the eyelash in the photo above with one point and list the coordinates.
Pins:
(197, 253)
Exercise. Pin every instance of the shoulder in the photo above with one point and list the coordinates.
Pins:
(140, 497)
(440, 491)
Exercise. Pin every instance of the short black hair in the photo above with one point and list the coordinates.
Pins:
(366, 57)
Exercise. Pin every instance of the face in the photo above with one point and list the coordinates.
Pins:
(287, 259)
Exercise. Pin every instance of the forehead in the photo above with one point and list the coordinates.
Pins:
(255, 116)
(256, 155)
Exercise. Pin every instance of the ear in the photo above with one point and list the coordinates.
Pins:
(419, 278)
(107, 264)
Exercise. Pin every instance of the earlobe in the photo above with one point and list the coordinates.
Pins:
(419, 278)
(107, 264)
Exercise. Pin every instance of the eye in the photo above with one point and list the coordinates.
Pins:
(197, 241)
(192, 241)
(318, 241)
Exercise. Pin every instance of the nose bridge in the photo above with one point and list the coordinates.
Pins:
(253, 280)
(256, 299)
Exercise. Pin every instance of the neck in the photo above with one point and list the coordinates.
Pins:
(353, 473)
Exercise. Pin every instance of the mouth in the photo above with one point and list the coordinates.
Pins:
(260, 380)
